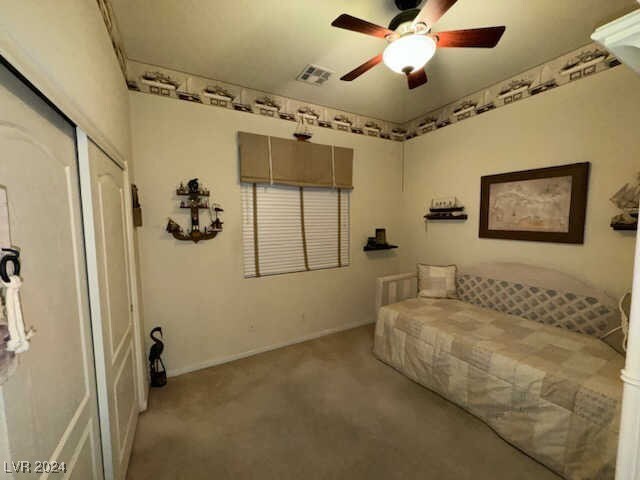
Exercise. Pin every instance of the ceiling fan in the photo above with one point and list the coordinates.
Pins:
(411, 42)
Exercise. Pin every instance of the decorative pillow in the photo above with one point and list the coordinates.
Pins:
(437, 282)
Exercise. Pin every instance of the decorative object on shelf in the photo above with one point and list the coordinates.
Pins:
(372, 129)
(427, 125)
(157, 370)
(398, 134)
(584, 64)
(446, 209)
(267, 106)
(342, 123)
(217, 210)
(544, 205)
(514, 91)
(159, 83)
(195, 203)
(448, 202)
(218, 96)
(379, 242)
(465, 110)
(308, 115)
(303, 132)
(627, 199)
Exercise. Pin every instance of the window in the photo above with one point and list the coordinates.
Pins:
(294, 229)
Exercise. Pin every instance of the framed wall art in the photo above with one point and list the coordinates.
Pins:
(542, 205)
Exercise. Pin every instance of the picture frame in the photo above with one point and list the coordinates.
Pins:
(541, 205)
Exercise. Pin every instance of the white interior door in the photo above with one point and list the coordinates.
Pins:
(103, 193)
(48, 409)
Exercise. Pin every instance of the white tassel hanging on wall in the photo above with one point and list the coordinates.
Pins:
(19, 338)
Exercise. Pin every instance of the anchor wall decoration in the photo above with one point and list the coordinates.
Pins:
(198, 199)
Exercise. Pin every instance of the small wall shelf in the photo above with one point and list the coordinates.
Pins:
(446, 210)
(445, 216)
(625, 227)
(371, 248)
(450, 213)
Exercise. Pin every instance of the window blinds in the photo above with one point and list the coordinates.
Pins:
(294, 229)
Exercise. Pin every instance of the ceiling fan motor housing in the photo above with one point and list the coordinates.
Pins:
(405, 16)
(407, 4)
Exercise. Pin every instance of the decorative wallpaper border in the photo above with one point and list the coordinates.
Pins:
(568, 68)
(164, 82)
(573, 66)
(112, 27)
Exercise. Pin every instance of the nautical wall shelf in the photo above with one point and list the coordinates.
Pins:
(633, 227)
(197, 199)
(453, 215)
(627, 200)
(446, 209)
(371, 248)
(379, 242)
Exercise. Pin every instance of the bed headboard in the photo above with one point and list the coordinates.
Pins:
(541, 294)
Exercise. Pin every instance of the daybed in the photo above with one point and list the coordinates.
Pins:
(497, 351)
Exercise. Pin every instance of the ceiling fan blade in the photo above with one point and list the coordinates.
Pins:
(356, 25)
(365, 67)
(417, 78)
(474, 38)
(433, 11)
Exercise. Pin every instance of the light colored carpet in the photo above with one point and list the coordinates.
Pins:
(323, 409)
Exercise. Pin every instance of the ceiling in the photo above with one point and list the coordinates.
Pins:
(265, 44)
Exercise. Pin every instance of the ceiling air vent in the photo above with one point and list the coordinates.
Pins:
(314, 75)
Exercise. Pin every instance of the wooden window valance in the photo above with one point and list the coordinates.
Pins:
(281, 161)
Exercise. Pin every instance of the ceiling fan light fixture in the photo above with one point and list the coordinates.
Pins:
(409, 53)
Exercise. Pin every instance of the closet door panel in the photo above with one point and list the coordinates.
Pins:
(50, 403)
(114, 269)
(112, 317)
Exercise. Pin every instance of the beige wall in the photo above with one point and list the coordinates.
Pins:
(594, 120)
(64, 49)
(210, 313)
(197, 292)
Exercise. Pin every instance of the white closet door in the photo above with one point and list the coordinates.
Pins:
(103, 192)
(48, 409)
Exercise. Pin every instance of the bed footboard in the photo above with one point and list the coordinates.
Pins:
(395, 288)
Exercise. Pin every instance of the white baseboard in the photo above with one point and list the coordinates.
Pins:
(249, 353)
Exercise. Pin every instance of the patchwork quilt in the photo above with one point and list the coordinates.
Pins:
(551, 392)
